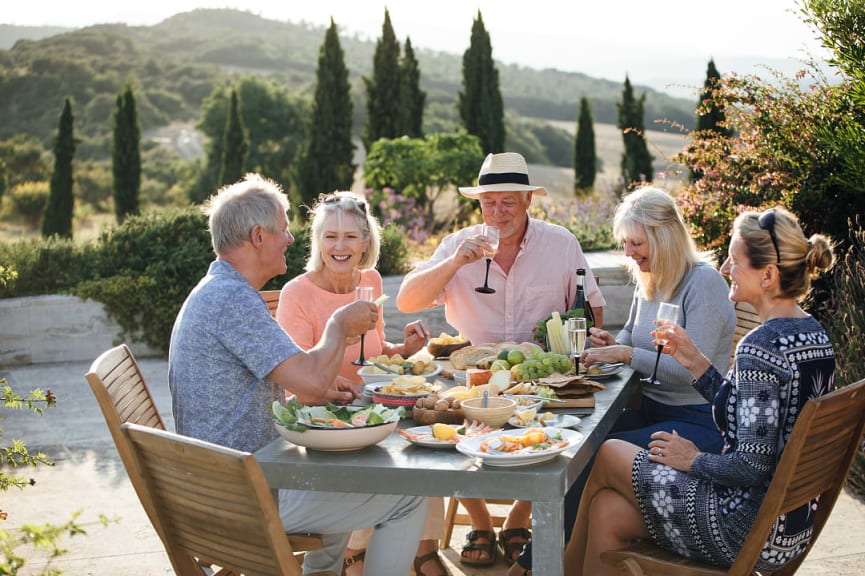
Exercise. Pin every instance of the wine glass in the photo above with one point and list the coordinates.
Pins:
(576, 339)
(492, 235)
(667, 314)
(362, 293)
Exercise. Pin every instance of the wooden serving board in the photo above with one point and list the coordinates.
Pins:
(579, 402)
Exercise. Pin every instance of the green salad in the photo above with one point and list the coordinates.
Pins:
(298, 417)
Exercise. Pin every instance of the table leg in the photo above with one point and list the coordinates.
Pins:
(548, 538)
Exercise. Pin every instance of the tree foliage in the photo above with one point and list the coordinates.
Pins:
(636, 160)
(235, 146)
(326, 163)
(710, 115)
(411, 97)
(126, 155)
(585, 157)
(426, 170)
(274, 121)
(58, 212)
(383, 89)
(480, 101)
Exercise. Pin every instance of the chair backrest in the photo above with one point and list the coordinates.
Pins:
(746, 320)
(228, 519)
(271, 298)
(814, 464)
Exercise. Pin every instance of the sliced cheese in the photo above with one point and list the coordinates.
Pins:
(501, 380)
(477, 377)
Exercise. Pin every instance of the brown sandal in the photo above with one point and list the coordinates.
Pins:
(489, 547)
(352, 560)
(511, 550)
(419, 561)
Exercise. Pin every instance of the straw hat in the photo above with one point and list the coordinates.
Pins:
(505, 172)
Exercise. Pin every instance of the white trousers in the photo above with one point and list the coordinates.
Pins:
(398, 522)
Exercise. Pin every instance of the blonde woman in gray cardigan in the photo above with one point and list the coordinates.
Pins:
(666, 267)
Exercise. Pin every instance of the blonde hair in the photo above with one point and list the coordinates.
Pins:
(237, 208)
(342, 203)
(672, 252)
(801, 259)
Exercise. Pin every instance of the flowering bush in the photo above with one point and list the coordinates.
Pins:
(588, 218)
(394, 209)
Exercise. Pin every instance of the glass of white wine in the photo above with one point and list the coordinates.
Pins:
(492, 235)
(362, 293)
(576, 339)
(667, 314)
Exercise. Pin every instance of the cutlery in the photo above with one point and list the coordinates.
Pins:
(544, 398)
(387, 369)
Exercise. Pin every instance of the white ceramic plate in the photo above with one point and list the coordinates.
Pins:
(385, 378)
(560, 421)
(606, 372)
(471, 447)
(428, 441)
(338, 439)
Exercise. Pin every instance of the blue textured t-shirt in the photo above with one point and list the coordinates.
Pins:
(223, 346)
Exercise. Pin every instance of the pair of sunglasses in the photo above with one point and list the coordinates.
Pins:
(766, 221)
(334, 199)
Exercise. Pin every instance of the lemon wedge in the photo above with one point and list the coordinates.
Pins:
(443, 431)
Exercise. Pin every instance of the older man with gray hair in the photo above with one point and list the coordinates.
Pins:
(229, 360)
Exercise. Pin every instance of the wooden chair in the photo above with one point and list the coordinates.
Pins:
(746, 320)
(228, 519)
(271, 298)
(453, 516)
(814, 463)
(123, 396)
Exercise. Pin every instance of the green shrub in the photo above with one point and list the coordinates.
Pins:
(393, 257)
(845, 322)
(29, 200)
(145, 269)
(44, 266)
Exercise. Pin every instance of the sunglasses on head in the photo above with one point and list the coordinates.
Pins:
(334, 199)
(766, 221)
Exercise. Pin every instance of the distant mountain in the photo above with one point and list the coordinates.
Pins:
(176, 63)
(10, 34)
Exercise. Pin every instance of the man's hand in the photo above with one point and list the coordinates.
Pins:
(342, 391)
(356, 318)
(471, 249)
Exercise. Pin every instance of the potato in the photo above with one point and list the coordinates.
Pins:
(440, 405)
(429, 402)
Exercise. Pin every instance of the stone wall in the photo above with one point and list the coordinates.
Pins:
(41, 329)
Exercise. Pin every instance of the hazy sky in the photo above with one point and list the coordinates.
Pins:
(655, 42)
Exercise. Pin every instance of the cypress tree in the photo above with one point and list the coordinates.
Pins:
(383, 89)
(585, 157)
(411, 98)
(234, 145)
(636, 160)
(326, 162)
(58, 212)
(480, 102)
(711, 116)
(126, 155)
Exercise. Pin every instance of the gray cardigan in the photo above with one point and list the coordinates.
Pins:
(710, 319)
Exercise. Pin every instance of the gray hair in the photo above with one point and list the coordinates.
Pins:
(237, 208)
(343, 203)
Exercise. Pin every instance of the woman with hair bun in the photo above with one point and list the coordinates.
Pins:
(701, 505)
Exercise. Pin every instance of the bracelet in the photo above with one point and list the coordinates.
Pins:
(631, 359)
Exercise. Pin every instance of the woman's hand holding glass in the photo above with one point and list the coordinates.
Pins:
(679, 345)
(667, 314)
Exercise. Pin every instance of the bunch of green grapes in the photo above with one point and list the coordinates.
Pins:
(541, 364)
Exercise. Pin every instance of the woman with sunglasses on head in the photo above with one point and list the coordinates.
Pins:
(344, 246)
(702, 505)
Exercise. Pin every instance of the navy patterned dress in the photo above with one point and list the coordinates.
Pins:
(706, 514)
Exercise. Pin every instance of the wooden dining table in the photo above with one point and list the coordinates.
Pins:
(394, 466)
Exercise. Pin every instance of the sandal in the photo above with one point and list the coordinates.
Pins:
(419, 561)
(352, 560)
(489, 547)
(510, 549)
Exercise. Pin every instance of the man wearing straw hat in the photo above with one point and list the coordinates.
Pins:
(532, 275)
